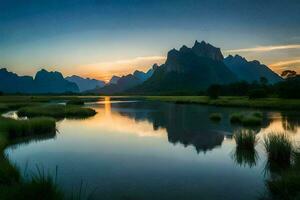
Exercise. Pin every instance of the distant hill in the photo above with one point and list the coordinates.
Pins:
(44, 82)
(85, 83)
(188, 69)
(250, 70)
(114, 80)
(121, 84)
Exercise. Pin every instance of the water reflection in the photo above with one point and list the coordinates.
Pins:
(245, 158)
(152, 150)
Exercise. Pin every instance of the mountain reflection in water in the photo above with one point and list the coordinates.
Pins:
(155, 150)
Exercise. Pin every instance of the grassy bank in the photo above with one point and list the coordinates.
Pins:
(56, 111)
(275, 103)
(12, 186)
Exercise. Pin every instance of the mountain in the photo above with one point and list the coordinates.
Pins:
(142, 75)
(250, 70)
(85, 83)
(121, 84)
(44, 82)
(12, 83)
(114, 80)
(188, 69)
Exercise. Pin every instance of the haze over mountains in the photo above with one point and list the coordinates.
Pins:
(185, 70)
(85, 84)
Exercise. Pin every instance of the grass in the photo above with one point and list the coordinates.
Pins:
(236, 117)
(245, 157)
(215, 116)
(12, 185)
(56, 111)
(247, 119)
(245, 139)
(286, 184)
(26, 128)
(75, 102)
(251, 120)
(231, 101)
(279, 148)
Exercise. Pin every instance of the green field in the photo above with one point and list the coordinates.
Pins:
(274, 103)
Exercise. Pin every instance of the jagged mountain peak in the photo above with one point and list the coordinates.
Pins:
(204, 49)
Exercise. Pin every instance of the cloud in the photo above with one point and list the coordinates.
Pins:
(285, 63)
(265, 48)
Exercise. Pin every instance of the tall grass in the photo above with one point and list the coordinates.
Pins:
(56, 111)
(278, 147)
(75, 102)
(25, 128)
(245, 139)
(245, 157)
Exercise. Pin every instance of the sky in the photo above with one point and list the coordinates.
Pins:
(101, 38)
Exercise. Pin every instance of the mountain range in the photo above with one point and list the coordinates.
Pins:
(124, 83)
(85, 84)
(185, 70)
(250, 70)
(43, 82)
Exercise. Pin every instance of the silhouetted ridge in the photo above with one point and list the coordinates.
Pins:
(189, 69)
(44, 82)
(250, 70)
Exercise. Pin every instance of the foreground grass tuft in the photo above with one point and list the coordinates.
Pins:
(215, 116)
(30, 127)
(279, 148)
(56, 111)
(245, 139)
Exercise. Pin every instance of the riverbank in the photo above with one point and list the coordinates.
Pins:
(270, 103)
(12, 184)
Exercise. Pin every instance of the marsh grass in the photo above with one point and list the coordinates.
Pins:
(25, 128)
(286, 185)
(215, 116)
(279, 148)
(75, 102)
(43, 185)
(236, 117)
(245, 139)
(56, 111)
(251, 120)
(245, 157)
(247, 119)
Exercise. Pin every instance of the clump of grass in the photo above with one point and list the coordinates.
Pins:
(56, 111)
(278, 147)
(77, 102)
(251, 121)
(244, 157)
(24, 128)
(42, 186)
(215, 116)
(245, 139)
(236, 117)
(257, 114)
(287, 184)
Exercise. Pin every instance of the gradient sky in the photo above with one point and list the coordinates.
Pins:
(100, 38)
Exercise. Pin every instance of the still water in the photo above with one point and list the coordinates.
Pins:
(153, 150)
